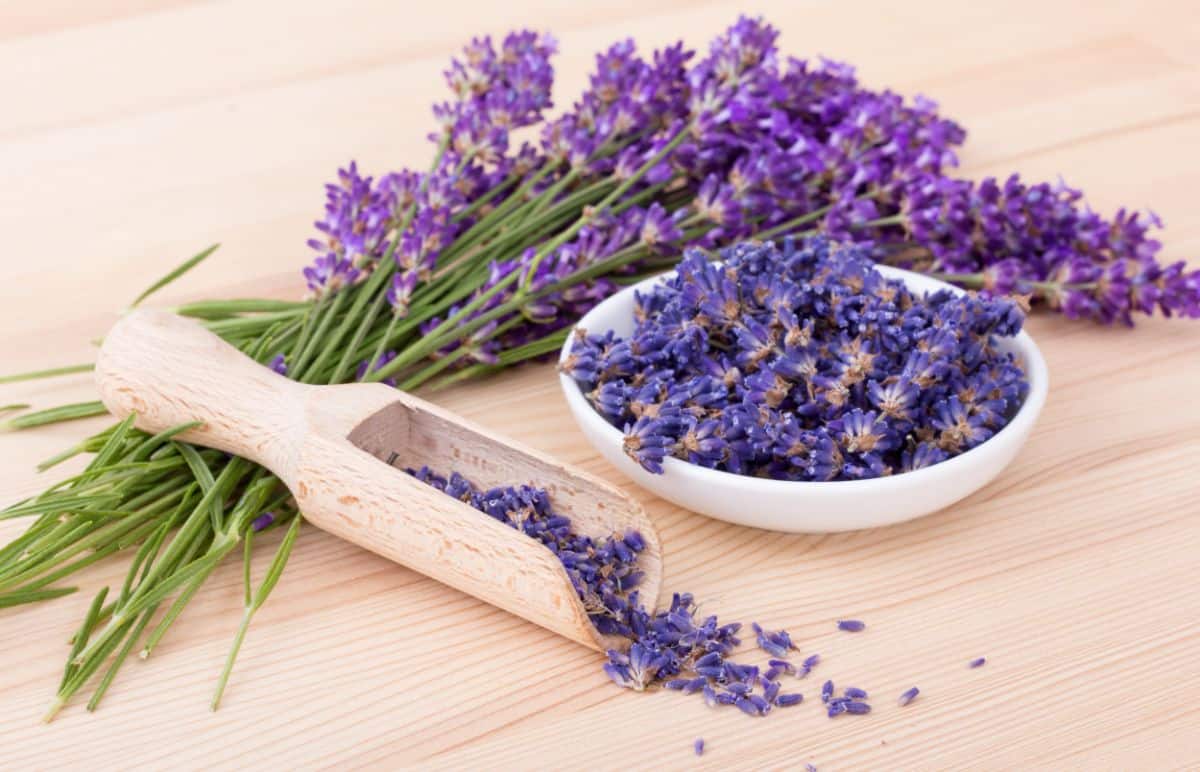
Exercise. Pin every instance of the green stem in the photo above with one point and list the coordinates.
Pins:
(51, 373)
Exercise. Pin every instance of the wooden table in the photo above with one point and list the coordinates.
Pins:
(134, 132)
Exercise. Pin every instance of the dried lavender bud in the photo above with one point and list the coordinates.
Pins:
(776, 643)
(909, 696)
(698, 746)
(854, 693)
(669, 649)
(857, 708)
(262, 521)
(977, 662)
(802, 362)
(753, 705)
(811, 661)
(851, 625)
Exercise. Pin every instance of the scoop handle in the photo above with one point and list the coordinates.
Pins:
(170, 371)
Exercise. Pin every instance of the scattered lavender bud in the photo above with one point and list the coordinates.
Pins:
(739, 688)
(811, 661)
(698, 746)
(854, 693)
(262, 521)
(858, 708)
(776, 643)
(753, 705)
(835, 709)
(826, 691)
(909, 696)
(810, 768)
(787, 700)
(977, 662)
(851, 625)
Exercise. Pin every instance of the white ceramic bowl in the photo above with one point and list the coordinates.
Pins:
(812, 507)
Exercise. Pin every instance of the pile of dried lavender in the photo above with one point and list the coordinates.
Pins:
(802, 363)
(670, 649)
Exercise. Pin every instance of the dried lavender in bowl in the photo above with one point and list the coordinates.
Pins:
(802, 362)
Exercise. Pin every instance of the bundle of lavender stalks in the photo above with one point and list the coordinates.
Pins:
(521, 223)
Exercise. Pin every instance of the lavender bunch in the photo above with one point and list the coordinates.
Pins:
(802, 363)
(1038, 240)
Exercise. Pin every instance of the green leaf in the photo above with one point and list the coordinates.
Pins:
(278, 563)
(85, 632)
(275, 571)
(54, 415)
(220, 309)
(33, 596)
(183, 268)
(119, 660)
(51, 373)
(203, 476)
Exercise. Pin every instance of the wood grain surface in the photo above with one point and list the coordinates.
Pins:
(135, 132)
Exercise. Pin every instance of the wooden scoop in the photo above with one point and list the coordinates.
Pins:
(341, 450)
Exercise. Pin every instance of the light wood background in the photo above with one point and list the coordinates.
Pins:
(134, 132)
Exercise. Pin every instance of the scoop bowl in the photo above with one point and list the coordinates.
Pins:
(810, 507)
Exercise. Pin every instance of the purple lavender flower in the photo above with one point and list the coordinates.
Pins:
(279, 364)
(400, 292)
(979, 662)
(720, 371)
(262, 522)
(908, 696)
(698, 746)
(361, 371)
(851, 625)
(328, 274)
(649, 439)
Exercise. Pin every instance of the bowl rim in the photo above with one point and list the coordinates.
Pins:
(1022, 344)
